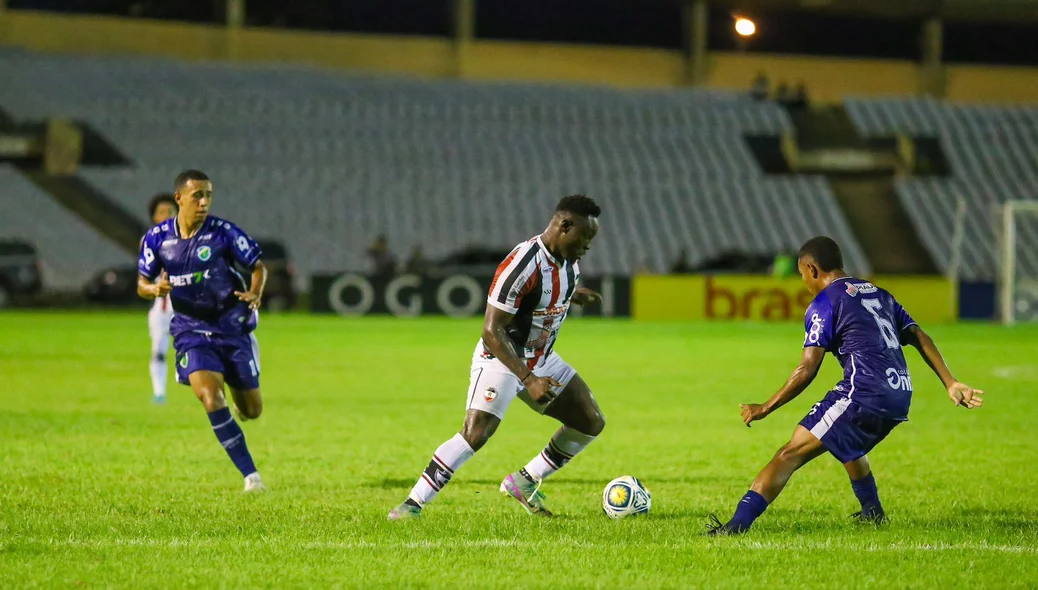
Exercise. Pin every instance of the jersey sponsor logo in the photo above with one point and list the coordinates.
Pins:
(205, 237)
(552, 311)
(899, 379)
(169, 242)
(815, 333)
(193, 278)
(204, 253)
(183, 361)
(490, 394)
(864, 288)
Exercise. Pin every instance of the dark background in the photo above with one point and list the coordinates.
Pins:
(645, 23)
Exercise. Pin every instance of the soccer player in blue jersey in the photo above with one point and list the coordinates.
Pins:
(194, 258)
(864, 327)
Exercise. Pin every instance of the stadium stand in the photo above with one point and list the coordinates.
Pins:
(993, 152)
(324, 162)
(70, 249)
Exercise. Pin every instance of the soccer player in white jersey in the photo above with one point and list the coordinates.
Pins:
(529, 299)
(161, 207)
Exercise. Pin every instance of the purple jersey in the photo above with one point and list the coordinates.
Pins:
(203, 275)
(862, 325)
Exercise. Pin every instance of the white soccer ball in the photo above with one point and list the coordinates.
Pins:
(626, 496)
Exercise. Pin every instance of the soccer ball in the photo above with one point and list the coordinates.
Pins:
(626, 496)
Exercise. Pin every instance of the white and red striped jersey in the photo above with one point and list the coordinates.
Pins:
(536, 288)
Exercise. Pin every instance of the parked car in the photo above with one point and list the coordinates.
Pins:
(118, 285)
(280, 293)
(476, 261)
(21, 272)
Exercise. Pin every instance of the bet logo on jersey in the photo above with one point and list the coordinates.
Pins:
(204, 253)
(183, 361)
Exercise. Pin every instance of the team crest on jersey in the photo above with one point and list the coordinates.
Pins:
(490, 394)
(204, 253)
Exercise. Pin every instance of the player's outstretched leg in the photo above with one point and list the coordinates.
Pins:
(208, 387)
(446, 460)
(800, 449)
(864, 486)
(582, 421)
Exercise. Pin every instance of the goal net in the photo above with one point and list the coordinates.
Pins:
(1019, 253)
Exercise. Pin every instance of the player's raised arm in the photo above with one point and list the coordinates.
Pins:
(799, 380)
(960, 393)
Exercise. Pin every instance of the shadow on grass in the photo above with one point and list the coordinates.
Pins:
(396, 482)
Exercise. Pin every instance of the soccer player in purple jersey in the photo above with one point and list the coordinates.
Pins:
(193, 258)
(864, 327)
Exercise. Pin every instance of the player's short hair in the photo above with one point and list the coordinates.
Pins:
(579, 205)
(159, 199)
(187, 176)
(825, 252)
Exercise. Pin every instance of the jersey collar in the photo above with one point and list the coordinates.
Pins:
(547, 253)
(176, 226)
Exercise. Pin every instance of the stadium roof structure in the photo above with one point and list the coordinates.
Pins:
(964, 10)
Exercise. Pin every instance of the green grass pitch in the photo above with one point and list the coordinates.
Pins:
(99, 488)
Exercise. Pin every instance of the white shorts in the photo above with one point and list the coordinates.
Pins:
(492, 387)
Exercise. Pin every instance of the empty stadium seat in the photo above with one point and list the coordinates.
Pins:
(325, 161)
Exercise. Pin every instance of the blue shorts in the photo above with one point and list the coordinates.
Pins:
(847, 430)
(235, 357)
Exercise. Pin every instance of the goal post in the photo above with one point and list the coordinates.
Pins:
(1018, 284)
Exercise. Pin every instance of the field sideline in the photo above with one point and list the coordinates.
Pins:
(99, 488)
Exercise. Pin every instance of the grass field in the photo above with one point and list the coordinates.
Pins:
(99, 488)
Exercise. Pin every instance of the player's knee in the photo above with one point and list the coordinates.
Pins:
(790, 454)
(477, 433)
(596, 423)
(252, 410)
(211, 397)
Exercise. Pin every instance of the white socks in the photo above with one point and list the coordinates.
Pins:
(446, 460)
(158, 376)
(562, 447)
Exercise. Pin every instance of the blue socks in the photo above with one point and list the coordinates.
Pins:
(233, 440)
(750, 508)
(868, 495)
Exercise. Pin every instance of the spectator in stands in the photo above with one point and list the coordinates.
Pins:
(681, 265)
(784, 94)
(800, 97)
(416, 263)
(383, 263)
(761, 88)
(785, 265)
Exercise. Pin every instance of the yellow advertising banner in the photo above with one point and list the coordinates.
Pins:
(763, 298)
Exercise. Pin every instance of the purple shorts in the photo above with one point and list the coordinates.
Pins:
(847, 430)
(235, 357)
